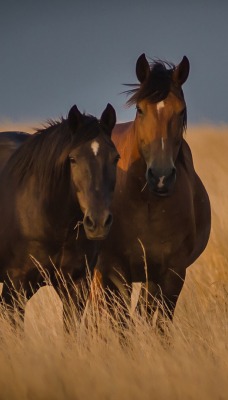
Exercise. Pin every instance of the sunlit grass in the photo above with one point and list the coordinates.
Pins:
(98, 359)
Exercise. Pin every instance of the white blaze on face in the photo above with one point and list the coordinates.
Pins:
(160, 183)
(95, 147)
(160, 106)
(163, 144)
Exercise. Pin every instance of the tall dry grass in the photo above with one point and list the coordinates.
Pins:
(94, 361)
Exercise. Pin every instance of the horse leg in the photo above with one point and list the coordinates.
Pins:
(16, 293)
(73, 295)
(117, 296)
(161, 298)
(171, 285)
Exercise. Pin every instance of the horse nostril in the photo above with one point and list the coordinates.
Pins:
(151, 175)
(89, 223)
(171, 177)
(172, 174)
(173, 171)
(108, 221)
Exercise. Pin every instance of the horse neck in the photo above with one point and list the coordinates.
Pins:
(125, 139)
(62, 206)
(56, 205)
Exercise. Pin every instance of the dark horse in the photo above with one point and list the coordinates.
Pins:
(161, 208)
(59, 176)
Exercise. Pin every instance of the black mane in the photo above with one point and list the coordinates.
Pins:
(156, 86)
(44, 154)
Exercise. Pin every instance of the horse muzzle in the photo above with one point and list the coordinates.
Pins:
(97, 228)
(161, 182)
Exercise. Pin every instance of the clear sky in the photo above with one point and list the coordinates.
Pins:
(56, 53)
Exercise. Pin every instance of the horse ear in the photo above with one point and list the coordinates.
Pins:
(74, 118)
(180, 73)
(142, 68)
(108, 118)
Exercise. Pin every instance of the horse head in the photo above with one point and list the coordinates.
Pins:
(161, 119)
(93, 168)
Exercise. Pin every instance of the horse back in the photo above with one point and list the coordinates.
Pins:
(123, 136)
(9, 142)
(12, 138)
(120, 135)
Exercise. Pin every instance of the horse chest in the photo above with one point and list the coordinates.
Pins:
(162, 232)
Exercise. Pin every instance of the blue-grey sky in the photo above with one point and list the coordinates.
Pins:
(54, 54)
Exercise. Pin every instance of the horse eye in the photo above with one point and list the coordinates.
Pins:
(139, 110)
(72, 160)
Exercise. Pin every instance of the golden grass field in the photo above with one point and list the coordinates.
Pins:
(91, 362)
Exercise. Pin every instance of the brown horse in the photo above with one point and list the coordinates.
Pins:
(160, 207)
(56, 190)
